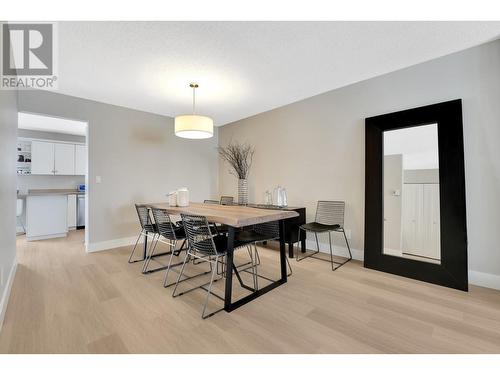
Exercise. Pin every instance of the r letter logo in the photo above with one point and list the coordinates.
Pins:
(28, 51)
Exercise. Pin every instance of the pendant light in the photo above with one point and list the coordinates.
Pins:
(194, 126)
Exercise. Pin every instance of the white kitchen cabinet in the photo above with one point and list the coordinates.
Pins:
(58, 158)
(46, 217)
(42, 157)
(64, 159)
(71, 211)
(80, 160)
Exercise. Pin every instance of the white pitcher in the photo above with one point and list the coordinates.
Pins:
(172, 198)
(183, 197)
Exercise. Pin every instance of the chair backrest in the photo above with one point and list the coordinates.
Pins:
(143, 213)
(163, 223)
(198, 234)
(225, 199)
(211, 201)
(330, 213)
(269, 229)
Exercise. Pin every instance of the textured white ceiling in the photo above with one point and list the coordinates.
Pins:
(243, 68)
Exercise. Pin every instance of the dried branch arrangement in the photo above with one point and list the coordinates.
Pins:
(239, 157)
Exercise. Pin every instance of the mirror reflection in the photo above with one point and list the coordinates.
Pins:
(411, 193)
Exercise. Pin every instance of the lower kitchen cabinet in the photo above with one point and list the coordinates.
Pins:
(72, 211)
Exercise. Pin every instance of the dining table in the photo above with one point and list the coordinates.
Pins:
(237, 217)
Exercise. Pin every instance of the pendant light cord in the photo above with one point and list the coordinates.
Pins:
(194, 99)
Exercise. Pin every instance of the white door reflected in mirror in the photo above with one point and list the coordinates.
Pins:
(411, 193)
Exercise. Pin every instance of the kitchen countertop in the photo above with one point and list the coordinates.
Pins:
(33, 192)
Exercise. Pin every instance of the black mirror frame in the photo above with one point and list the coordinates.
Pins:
(453, 270)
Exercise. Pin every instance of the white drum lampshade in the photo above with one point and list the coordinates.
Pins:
(194, 126)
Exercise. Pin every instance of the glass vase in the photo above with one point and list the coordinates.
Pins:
(242, 191)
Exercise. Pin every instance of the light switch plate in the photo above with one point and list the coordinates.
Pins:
(98, 179)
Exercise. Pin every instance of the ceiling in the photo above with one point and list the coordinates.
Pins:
(30, 121)
(243, 68)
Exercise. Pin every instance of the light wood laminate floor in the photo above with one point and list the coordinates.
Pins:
(66, 301)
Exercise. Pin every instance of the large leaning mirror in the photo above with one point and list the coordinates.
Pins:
(415, 217)
(411, 193)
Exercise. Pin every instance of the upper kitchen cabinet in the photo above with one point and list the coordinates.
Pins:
(64, 159)
(42, 157)
(57, 158)
(80, 159)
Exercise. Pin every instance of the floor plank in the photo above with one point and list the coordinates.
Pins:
(67, 301)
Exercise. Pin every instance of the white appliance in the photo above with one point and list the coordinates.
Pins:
(80, 212)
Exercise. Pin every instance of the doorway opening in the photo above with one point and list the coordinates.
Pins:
(52, 177)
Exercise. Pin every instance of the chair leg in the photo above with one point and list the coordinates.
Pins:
(186, 258)
(297, 257)
(340, 264)
(133, 250)
(289, 266)
(254, 266)
(177, 252)
(172, 251)
(209, 291)
(347, 243)
(257, 256)
(331, 250)
(148, 257)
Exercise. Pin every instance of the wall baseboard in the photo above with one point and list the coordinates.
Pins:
(487, 280)
(6, 293)
(111, 244)
(475, 278)
(337, 250)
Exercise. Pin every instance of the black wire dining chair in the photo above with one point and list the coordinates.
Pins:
(329, 218)
(226, 200)
(207, 247)
(169, 233)
(148, 228)
(211, 201)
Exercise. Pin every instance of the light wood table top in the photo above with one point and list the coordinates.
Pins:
(235, 216)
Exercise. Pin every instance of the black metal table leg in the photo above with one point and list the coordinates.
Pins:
(145, 246)
(283, 251)
(229, 305)
(290, 250)
(303, 245)
(229, 270)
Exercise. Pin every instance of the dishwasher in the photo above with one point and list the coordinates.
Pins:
(80, 211)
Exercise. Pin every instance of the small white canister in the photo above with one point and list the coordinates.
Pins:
(172, 198)
(183, 197)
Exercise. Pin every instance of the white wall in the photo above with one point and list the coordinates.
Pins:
(8, 141)
(393, 180)
(138, 158)
(315, 147)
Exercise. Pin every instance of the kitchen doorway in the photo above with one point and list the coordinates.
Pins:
(52, 177)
